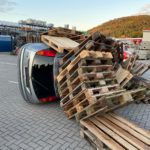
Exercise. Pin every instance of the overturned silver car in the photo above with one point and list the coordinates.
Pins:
(37, 67)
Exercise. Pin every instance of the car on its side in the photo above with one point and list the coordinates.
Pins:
(37, 68)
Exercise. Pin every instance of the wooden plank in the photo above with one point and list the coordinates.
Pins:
(61, 75)
(128, 129)
(59, 43)
(101, 135)
(112, 134)
(131, 125)
(121, 132)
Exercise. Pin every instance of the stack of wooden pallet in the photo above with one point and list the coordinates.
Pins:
(84, 83)
(135, 78)
(74, 35)
(87, 84)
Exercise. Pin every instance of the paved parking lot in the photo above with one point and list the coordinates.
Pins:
(25, 126)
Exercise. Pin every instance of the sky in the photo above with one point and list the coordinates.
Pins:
(84, 14)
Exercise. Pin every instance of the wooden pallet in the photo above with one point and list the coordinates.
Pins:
(83, 107)
(113, 132)
(63, 32)
(70, 86)
(74, 52)
(123, 76)
(68, 57)
(83, 54)
(80, 76)
(85, 95)
(109, 102)
(102, 58)
(91, 91)
(59, 43)
(86, 106)
(101, 71)
(140, 69)
(88, 61)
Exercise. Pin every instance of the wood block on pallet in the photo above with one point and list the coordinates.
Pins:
(116, 133)
(59, 43)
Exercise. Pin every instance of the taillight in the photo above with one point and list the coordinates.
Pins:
(125, 55)
(49, 53)
(48, 99)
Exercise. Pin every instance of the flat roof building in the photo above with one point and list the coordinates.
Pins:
(146, 35)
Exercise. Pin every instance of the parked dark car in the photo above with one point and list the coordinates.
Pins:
(37, 69)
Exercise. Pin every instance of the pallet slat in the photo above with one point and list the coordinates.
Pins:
(128, 129)
(102, 136)
(113, 135)
(131, 125)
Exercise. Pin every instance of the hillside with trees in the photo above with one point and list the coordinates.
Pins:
(131, 26)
